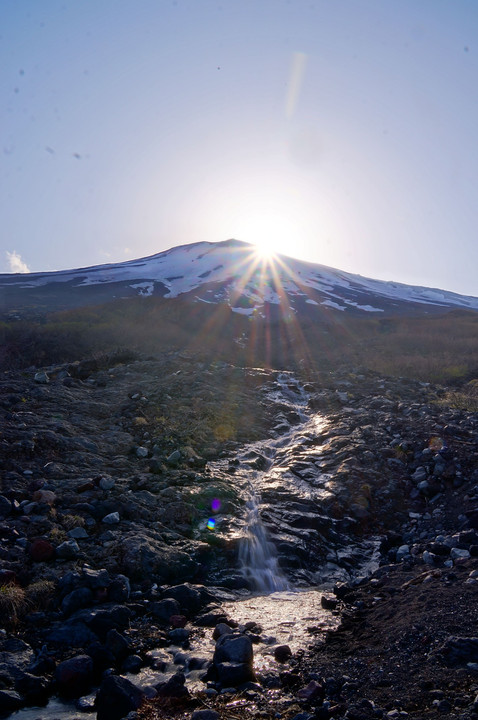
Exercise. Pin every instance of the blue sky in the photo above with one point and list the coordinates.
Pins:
(339, 131)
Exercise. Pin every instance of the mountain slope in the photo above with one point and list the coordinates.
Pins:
(230, 273)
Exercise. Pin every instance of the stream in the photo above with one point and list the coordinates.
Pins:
(282, 551)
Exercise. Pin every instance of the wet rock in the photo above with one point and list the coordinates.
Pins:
(174, 688)
(102, 658)
(132, 664)
(179, 635)
(328, 602)
(222, 629)
(233, 659)
(116, 697)
(282, 653)
(74, 676)
(313, 691)
(205, 714)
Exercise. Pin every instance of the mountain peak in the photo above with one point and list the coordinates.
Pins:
(231, 273)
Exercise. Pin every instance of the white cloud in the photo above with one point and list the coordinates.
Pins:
(16, 263)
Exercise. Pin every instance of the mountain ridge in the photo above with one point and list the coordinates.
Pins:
(230, 272)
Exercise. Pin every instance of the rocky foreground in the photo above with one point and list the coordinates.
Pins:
(125, 486)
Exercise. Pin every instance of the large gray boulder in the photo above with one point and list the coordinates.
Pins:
(233, 660)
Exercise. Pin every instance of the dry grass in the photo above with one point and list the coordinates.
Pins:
(13, 603)
(39, 594)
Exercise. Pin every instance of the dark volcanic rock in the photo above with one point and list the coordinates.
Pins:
(459, 650)
(41, 550)
(74, 676)
(233, 659)
(9, 702)
(116, 697)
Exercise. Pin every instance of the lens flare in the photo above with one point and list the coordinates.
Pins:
(215, 505)
(211, 524)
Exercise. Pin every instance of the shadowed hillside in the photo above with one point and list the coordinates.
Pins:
(438, 348)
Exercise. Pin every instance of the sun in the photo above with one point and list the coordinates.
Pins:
(265, 248)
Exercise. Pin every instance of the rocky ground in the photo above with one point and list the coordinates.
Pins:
(124, 491)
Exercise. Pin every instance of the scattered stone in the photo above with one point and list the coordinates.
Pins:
(282, 653)
(328, 602)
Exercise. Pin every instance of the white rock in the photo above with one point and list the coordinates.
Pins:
(42, 377)
(106, 483)
(111, 519)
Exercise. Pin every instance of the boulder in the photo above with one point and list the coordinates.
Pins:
(35, 689)
(191, 598)
(68, 550)
(144, 555)
(72, 634)
(164, 610)
(232, 660)
(116, 697)
(74, 676)
(174, 688)
(119, 589)
(117, 644)
(77, 599)
(10, 701)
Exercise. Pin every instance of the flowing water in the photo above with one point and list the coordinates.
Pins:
(257, 555)
(285, 617)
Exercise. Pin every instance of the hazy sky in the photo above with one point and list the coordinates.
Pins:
(345, 132)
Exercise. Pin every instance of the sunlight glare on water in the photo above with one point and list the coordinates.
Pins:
(286, 618)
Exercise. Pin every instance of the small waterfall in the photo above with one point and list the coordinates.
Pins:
(258, 556)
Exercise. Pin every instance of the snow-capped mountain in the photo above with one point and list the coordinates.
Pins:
(230, 272)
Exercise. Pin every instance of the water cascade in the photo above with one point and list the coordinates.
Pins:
(257, 555)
